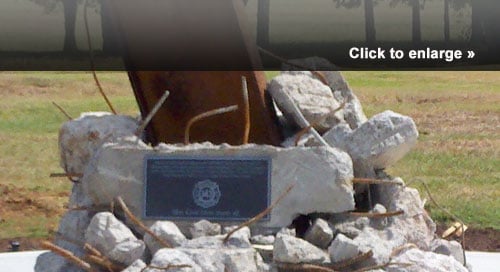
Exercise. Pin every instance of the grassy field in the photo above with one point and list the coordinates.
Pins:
(457, 113)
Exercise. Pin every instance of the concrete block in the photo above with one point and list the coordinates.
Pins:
(378, 143)
(113, 239)
(166, 230)
(319, 234)
(204, 228)
(80, 138)
(343, 248)
(313, 98)
(321, 176)
(289, 249)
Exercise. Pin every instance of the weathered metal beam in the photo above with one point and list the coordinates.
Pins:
(193, 93)
(195, 32)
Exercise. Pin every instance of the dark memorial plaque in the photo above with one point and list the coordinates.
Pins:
(223, 188)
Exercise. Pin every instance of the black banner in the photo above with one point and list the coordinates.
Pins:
(249, 35)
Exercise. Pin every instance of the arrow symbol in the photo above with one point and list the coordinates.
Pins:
(470, 54)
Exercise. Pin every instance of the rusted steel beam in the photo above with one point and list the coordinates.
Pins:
(195, 32)
(193, 93)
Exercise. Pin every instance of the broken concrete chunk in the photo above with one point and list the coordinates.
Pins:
(379, 208)
(415, 224)
(113, 239)
(306, 139)
(353, 111)
(210, 259)
(78, 198)
(237, 240)
(338, 136)
(51, 262)
(319, 234)
(425, 262)
(349, 226)
(343, 248)
(204, 228)
(240, 238)
(321, 176)
(171, 256)
(289, 249)
(207, 259)
(379, 223)
(209, 242)
(384, 139)
(80, 138)
(286, 231)
(314, 99)
(136, 266)
(167, 231)
(263, 239)
(449, 248)
(265, 251)
(242, 260)
(380, 142)
(243, 232)
(380, 242)
(74, 225)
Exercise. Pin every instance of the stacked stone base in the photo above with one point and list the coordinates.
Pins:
(104, 149)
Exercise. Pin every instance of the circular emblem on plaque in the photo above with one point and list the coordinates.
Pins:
(206, 193)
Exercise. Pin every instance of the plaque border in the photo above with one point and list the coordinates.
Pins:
(147, 157)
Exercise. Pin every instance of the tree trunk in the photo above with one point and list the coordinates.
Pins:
(263, 13)
(477, 25)
(446, 20)
(369, 22)
(69, 7)
(109, 39)
(416, 35)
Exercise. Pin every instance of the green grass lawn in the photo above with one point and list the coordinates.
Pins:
(457, 113)
(458, 117)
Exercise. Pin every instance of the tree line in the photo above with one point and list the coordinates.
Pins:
(484, 28)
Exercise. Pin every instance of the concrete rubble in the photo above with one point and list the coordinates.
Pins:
(205, 228)
(449, 248)
(262, 239)
(319, 233)
(136, 266)
(80, 138)
(426, 261)
(113, 239)
(343, 248)
(352, 112)
(105, 150)
(167, 231)
(289, 249)
(380, 142)
(314, 99)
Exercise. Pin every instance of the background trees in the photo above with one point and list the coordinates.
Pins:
(370, 33)
(70, 8)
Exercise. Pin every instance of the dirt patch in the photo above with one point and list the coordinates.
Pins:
(478, 239)
(461, 146)
(56, 86)
(458, 122)
(18, 200)
(24, 209)
(460, 131)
